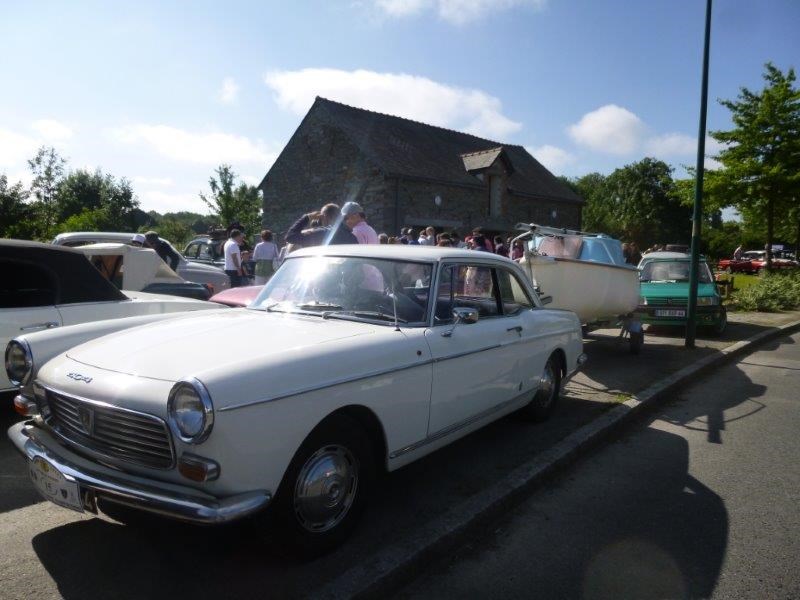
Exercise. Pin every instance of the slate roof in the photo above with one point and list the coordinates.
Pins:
(409, 148)
(477, 161)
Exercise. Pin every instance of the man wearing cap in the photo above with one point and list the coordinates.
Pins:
(355, 219)
(332, 231)
(163, 249)
(137, 240)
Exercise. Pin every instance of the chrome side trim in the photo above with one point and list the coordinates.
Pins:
(456, 426)
(468, 352)
(315, 388)
(173, 502)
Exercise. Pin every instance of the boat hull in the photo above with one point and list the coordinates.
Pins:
(596, 292)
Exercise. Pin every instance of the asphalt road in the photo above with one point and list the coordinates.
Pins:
(701, 501)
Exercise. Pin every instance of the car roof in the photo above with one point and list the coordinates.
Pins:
(397, 252)
(76, 279)
(656, 255)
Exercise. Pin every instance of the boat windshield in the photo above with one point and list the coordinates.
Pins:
(673, 270)
(350, 288)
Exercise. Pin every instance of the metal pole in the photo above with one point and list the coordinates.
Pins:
(697, 215)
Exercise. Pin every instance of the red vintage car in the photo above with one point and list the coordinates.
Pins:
(753, 261)
(238, 296)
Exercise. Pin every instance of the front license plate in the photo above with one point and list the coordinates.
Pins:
(670, 312)
(52, 484)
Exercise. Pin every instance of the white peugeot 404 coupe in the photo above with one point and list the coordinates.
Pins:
(285, 410)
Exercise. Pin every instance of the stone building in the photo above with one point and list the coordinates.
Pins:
(406, 173)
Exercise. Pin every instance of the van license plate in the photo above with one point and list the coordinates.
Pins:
(670, 312)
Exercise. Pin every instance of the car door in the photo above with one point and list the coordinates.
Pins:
(534, 343)
(27, 303)
(475, 370)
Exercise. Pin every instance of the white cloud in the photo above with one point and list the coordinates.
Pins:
(15, 148)
(457, 12)
(229, 92)
(160, 181)
(170, 202)
(402, 8)
(671, 144)
(610, 129)
(212, 148)
(400, 94)
(552, 157)
(52, 131)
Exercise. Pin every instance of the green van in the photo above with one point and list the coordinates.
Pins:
(664, 292)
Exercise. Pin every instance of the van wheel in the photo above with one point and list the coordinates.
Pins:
(325, 488)
(546, 397)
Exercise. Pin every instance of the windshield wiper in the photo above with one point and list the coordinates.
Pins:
(363, 314)
(318, 306)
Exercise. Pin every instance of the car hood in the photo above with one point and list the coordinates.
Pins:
(217, 341)
(675, 289)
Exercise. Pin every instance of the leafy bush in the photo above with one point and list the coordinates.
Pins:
(772, 293)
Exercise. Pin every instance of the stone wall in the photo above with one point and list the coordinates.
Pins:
(321, 165)
(317, 166)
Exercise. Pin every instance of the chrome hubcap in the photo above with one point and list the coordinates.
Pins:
(546, 385)
(326, 488)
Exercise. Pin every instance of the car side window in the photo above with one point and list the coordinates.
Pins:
(466, 286)
(205, 252)
(25, 285)
(191, 250)
(512, 293)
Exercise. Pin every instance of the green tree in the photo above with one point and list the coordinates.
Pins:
(48, 169)
(644, 206)
(99, 198)
(16, 216)
(761, 155)
(231, 202)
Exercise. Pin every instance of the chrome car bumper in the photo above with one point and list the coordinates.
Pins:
(582, 358)
(166, 500)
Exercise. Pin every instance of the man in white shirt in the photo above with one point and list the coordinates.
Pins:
(233, 258)
(355, 219)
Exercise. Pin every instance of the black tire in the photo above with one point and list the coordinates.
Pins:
(338, 438)
(546, 397)
(636, 342)
(719, 329)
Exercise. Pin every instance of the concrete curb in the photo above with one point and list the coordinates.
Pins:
(397, 562)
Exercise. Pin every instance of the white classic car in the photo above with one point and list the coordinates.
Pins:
(189, 270)
(302, 395)
(44, 286)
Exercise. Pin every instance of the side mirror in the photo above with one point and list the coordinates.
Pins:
(462, 315)
(465, 315)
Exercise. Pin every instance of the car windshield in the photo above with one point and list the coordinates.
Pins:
(673, 270)
(352, 288)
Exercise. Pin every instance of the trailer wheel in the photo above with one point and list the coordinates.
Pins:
(636, 339)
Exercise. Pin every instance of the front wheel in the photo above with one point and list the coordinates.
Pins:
(546, 396)
(722, 323)
(324, 490)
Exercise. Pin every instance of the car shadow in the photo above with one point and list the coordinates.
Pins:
(627, 524)
(16, 490)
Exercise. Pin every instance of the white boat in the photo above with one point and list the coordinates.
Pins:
(585, 273)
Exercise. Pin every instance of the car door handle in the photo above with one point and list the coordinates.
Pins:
(518, 329)
(47, 325)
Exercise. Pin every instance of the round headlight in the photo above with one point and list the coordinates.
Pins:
(19, 362)
(191, 410)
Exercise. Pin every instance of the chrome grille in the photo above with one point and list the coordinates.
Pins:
(114, 432)
(666, 301)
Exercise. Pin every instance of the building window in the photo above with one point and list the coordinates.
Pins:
(495, 196)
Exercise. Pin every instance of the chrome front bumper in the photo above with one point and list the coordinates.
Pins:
(176, 502)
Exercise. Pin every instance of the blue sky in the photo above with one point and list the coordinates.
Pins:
(162, 92)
